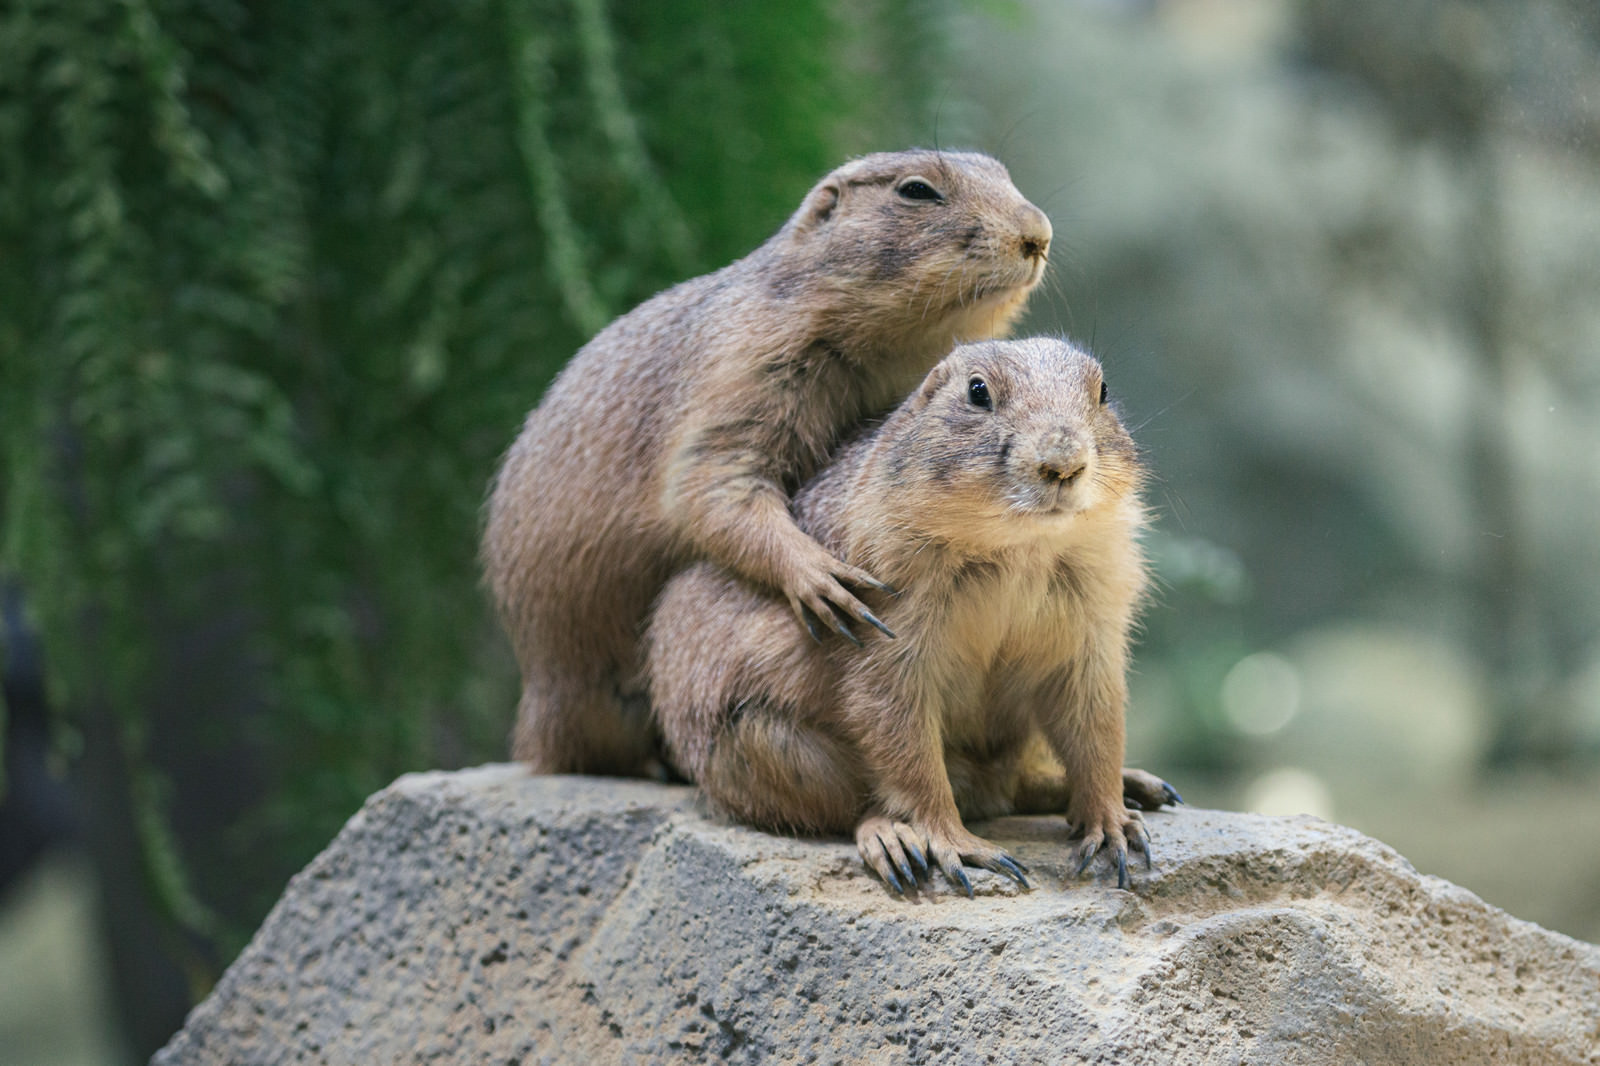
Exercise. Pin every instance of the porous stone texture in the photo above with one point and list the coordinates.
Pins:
(489, 916)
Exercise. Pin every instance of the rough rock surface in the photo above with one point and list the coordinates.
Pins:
(490, 916)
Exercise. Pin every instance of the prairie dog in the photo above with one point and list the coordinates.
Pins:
(679, 432)
(1002, 500)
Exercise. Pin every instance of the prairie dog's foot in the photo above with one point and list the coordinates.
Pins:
(1144, 791)
(890, 848)
(1112, 831)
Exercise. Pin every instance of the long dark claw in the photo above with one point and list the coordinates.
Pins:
(1122, 869)
(893, 857)
(867, 617)
(917, 857)
(844, 631)
(1171, 794)
(892, 881)
(1141, 842)
(874, 583)
(1013, 870)
(960, 876)
(810, 619)
(1087, 859)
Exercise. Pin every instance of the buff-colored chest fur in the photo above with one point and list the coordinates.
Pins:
(981, 636)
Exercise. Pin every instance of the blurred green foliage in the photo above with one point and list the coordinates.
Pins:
(281, 281)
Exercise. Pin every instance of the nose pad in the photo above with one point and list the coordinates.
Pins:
(1063, 459)
(1067, 472)
(1035, 231)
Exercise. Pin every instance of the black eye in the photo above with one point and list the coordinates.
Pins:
(978, 394)
(1103, 392)
(918, 190)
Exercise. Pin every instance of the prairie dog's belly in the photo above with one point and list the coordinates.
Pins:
(996, 632)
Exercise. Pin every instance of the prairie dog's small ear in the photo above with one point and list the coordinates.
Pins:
(820, 204)
(936, 379)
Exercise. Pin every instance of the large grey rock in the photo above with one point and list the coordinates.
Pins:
(490, 916)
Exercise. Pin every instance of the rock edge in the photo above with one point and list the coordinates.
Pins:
(491, 916)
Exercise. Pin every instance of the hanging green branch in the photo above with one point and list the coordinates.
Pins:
(163, 65)
(617, 121)
(563, 247)
(293, 273)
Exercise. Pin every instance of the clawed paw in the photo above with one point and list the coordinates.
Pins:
(903, 855)
(1112, 835)
(820, 600)
(1144, 791)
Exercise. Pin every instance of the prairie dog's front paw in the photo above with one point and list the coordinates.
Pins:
(1110, 829)
(816, 592)
(885, 844)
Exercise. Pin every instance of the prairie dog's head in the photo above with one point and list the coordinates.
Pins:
(925, 237)
(1007, 442)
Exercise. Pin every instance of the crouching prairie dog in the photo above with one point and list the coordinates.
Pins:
(1001, 500)
(679, 432)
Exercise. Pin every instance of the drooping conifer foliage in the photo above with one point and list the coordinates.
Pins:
(277, 282)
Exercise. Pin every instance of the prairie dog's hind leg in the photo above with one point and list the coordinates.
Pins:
(1042, 786)
(1144, 791)
(728, 670)
(1049, 792)
(769, 770)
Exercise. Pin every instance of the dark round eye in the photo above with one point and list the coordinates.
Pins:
(978, 394)
(918, 190)
(1103, 392)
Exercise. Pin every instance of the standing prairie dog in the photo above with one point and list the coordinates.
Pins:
(680, 430)
(1002, 500)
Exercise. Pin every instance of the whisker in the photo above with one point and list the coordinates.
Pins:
(1164, 410)
(1005, 138)
(1053, 193)
(1177, 507)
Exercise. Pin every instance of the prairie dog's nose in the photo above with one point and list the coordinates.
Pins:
(1035, 230)
(1063, 459)
(1066, 472)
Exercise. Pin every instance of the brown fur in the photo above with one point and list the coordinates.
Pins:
(1011, 535)
(680, 430)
